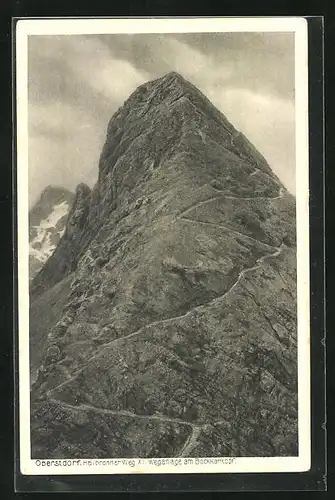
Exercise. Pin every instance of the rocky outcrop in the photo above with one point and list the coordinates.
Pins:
(170, 302)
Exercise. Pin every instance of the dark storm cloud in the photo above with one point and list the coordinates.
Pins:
(77, 82)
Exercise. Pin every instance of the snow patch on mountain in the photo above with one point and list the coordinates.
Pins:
(47, 229)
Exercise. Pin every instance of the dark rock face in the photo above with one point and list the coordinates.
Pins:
(47, 221)
(167, 313)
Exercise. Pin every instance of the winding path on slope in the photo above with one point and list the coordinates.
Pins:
(191, 440)
(189, 444)
(196, 428)
(120, 340)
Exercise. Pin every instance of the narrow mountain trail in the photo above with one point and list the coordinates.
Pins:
(119, 413)
(190, 443)
(223, 195)
(188, 219)
(230, 197)
(198, 204)
(120, 340)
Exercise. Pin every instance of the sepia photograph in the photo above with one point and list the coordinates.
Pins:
(162, 171)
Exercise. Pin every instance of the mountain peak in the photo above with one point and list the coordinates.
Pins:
(52, 190)
(172, 84)
(154, 92)
(147, 305)
(174, 76)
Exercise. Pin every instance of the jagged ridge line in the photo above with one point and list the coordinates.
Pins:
(201, 135)
(172, 103)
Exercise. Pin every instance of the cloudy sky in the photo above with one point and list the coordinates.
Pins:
(77, 82)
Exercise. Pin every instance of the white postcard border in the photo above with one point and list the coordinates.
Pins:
(59, 26)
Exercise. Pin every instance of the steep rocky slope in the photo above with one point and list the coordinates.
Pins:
(166, 318)
(47, 221)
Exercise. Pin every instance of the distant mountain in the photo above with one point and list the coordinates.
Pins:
(47, 221)
(164, 323)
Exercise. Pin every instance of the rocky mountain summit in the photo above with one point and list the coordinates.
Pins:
(47, 221)
(164, 324)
